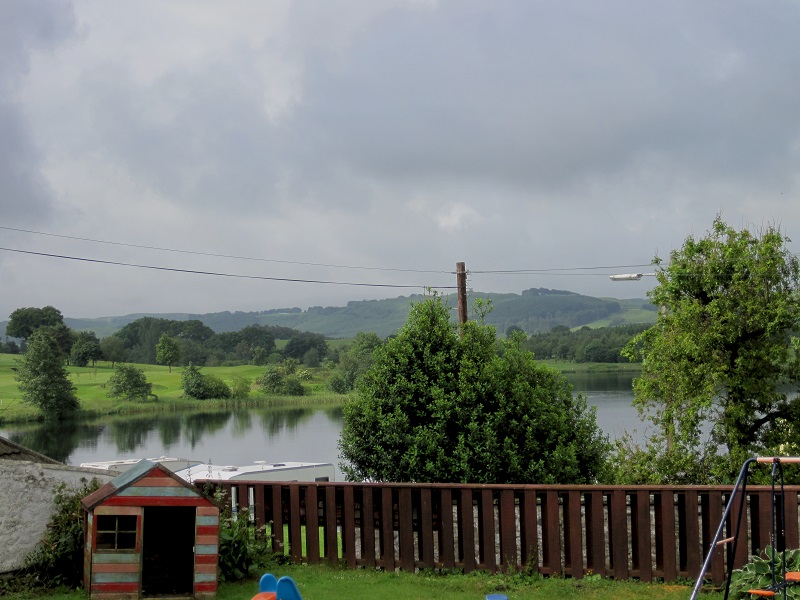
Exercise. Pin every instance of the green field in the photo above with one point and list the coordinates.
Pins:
(90, 383)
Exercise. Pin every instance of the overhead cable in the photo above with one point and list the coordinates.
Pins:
(233, 275)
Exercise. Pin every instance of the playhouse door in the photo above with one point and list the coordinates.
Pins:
(168, 535)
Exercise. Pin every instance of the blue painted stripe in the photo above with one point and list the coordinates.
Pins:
(207, 520)
(115, 577)
(205, 577)
(106, 558)
(163, 492)
(206, 549)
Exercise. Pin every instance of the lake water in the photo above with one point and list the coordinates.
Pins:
(275, 434)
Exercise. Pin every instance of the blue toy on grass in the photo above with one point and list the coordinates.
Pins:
(279, 589)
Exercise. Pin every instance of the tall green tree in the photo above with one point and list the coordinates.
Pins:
(86, 349)
(113, 349)
(722, 353)
(43, 378)
(437, 406)
(24, 321)
(168, 351)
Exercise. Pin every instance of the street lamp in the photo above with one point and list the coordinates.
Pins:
(630, 276)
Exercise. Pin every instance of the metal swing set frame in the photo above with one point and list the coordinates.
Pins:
(779, 581)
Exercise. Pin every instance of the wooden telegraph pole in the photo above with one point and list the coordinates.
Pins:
(461, 284)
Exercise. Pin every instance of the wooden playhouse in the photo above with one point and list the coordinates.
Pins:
(150, 534)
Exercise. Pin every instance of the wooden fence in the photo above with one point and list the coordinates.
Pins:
(654, 532)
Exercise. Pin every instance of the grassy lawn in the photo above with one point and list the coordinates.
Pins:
(320, 582)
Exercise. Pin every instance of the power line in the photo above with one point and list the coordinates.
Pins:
(215, 255)
(217, 274)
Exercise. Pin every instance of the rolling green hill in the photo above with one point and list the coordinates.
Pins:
(535, 310)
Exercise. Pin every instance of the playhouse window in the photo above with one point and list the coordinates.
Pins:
(116, 532)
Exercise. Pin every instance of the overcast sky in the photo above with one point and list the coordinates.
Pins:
(380, 142)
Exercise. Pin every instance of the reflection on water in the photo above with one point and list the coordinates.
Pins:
(241, 436)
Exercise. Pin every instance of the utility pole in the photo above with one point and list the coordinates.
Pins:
(461, 284)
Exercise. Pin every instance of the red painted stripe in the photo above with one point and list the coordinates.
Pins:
(205, 559)
(115, 587)
(210, 586)
(155, 501)
(207, 530)
(115, 568)
(157, 473)
(207, 511)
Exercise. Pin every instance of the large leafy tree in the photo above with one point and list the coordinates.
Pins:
(437, 406)
(24, 321)
(43, 379)
(721, 354)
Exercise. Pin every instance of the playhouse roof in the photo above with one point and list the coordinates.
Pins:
(131, 476)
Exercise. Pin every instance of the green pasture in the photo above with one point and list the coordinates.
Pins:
(90, 384)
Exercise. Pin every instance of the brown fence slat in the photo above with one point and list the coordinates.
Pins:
(312, 524)
(349, 527)
(790, 508)
(595, 533)
(277, 518)
(508, 531)
(406, 520)
(258, 507)
(387, 529)
(618, 526)
(711, 519)
(691, 522)
(666, 547)
(368, 527)
(447, 531)
(644, 561)
(426, 528)
(295, 527)
(331, 532)
(551, 534)
(529, 531)
(488, 547)
(573, 538)
(466, 527)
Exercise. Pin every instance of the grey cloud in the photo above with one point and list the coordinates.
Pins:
(544, 93)
(25, 26)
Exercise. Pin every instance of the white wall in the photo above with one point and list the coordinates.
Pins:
(26, 504)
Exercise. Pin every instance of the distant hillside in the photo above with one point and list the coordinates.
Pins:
(534, 310)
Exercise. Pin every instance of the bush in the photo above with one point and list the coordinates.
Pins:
(244, 551)
(202, 387)
(240, 387)
(757, 574)
(129, 382)
(274, 380)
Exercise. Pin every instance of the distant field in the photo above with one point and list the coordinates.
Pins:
(90, 383)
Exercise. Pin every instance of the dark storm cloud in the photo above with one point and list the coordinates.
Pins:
(25, 27)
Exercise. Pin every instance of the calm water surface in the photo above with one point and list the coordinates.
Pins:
(275, 435)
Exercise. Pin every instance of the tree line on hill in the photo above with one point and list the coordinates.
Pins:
(191, 342)
(586, 345)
